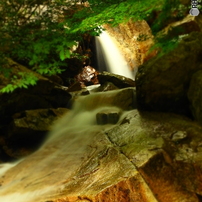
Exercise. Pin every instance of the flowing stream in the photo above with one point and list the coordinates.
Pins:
(42, 174)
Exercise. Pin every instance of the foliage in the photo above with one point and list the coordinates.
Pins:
(171, 10)
(164, 45)
(22, 80)
(43, 33)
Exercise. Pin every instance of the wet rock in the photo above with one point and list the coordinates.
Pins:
(37, 120)
(109, 116)
(45, 94)
(106, 87)
(88, 76)
(117, 80)
(195, 96)
(134, 160)
(163, 82)
(123, 98)
(179, 135)
(28, 129)
(74, 67)
(76, 86)
(157, 158)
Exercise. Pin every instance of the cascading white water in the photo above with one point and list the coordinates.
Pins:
(44, 172)
(83, 115)
(110, 58)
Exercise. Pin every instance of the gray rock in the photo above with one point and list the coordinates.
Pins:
(108, 116)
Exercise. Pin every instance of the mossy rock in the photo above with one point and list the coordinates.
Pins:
(162, 83)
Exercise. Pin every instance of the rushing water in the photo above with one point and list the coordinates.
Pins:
(43, 173)
(110, 58)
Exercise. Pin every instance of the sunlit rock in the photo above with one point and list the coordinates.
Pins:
(133, 160)
(88, 76)
(134, 40)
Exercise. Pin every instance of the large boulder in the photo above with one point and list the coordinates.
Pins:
(195, 96)
(162, 83)
(45, 94)
(146, 157)
(117, 80)
(27, 131)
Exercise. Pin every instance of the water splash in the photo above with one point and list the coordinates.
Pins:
(110, 58)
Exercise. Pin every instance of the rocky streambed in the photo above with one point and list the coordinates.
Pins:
(145, 157)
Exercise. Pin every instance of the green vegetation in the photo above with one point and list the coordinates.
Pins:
(22, 80)
(43, 33)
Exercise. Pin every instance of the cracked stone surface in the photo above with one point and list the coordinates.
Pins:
(133, 161)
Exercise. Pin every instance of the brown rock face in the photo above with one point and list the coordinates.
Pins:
(28, 130)
(162, 83)
(45, 94)
(117, 80)
(134, 40)
(88, 76)
(109, 116)
(26, 114)
(195, 96)
(136, 160)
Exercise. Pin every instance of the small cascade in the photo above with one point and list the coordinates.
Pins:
(83, 115)
(110, 58)
(42, 174)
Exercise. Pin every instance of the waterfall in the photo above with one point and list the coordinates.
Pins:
(110, 58)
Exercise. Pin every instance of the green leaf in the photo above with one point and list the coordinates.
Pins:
(64, 54)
